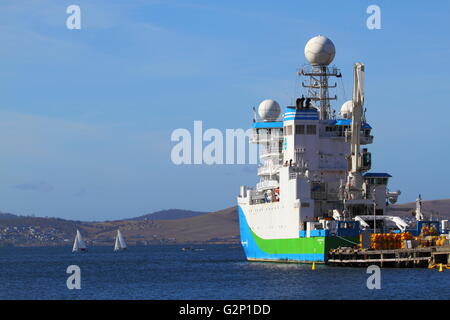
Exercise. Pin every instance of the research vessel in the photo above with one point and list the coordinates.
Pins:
(315, 191)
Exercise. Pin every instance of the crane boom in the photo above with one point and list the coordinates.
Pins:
(358, 102)
(355, 180)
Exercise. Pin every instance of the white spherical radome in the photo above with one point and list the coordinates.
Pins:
(320, 51)
(269, 110)
(347, 109)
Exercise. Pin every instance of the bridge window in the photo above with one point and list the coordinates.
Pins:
(299, 129)
(311, 129)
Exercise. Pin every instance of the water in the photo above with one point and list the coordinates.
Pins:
(217, 272)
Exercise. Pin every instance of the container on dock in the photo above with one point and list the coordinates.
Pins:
(388, 241)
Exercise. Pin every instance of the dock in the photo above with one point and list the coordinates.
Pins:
(405, 258)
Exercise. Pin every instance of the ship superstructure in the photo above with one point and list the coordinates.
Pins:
(315, 187)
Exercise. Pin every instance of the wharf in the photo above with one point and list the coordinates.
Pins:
(405, 258)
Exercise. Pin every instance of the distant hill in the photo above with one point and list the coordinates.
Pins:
(35, 231)
(180, 226)
(170, 214)
(7, 216)
(436, 208)
(166, 226)
(216, 227)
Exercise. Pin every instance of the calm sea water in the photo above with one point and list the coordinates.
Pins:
(217, 272)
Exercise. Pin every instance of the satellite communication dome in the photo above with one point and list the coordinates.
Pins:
(269, 110)
(347, 109)
(320, 51)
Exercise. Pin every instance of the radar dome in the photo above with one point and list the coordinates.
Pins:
(269, 110)
(347, 109)
(320, 51)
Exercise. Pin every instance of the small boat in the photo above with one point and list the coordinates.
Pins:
(78, 244)
(120, 244)
(192, 249)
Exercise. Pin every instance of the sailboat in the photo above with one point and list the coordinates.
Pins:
(120, 244)
(78, 244)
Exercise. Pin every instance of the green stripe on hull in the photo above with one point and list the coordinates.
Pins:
(290, 246)
(303, 245)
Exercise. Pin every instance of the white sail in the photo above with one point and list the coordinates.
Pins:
(75, 245)
(120, 242)
(117, 245)
(78, 244)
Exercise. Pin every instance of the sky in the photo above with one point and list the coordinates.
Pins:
(86, 116)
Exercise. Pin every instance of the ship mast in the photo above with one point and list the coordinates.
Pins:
(317, 85)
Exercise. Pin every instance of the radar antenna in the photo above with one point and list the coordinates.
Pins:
(320, 52)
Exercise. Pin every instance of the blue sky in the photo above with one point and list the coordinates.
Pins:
(86, 115)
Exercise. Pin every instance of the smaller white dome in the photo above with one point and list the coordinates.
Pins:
(347, 109)
(269, 110)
